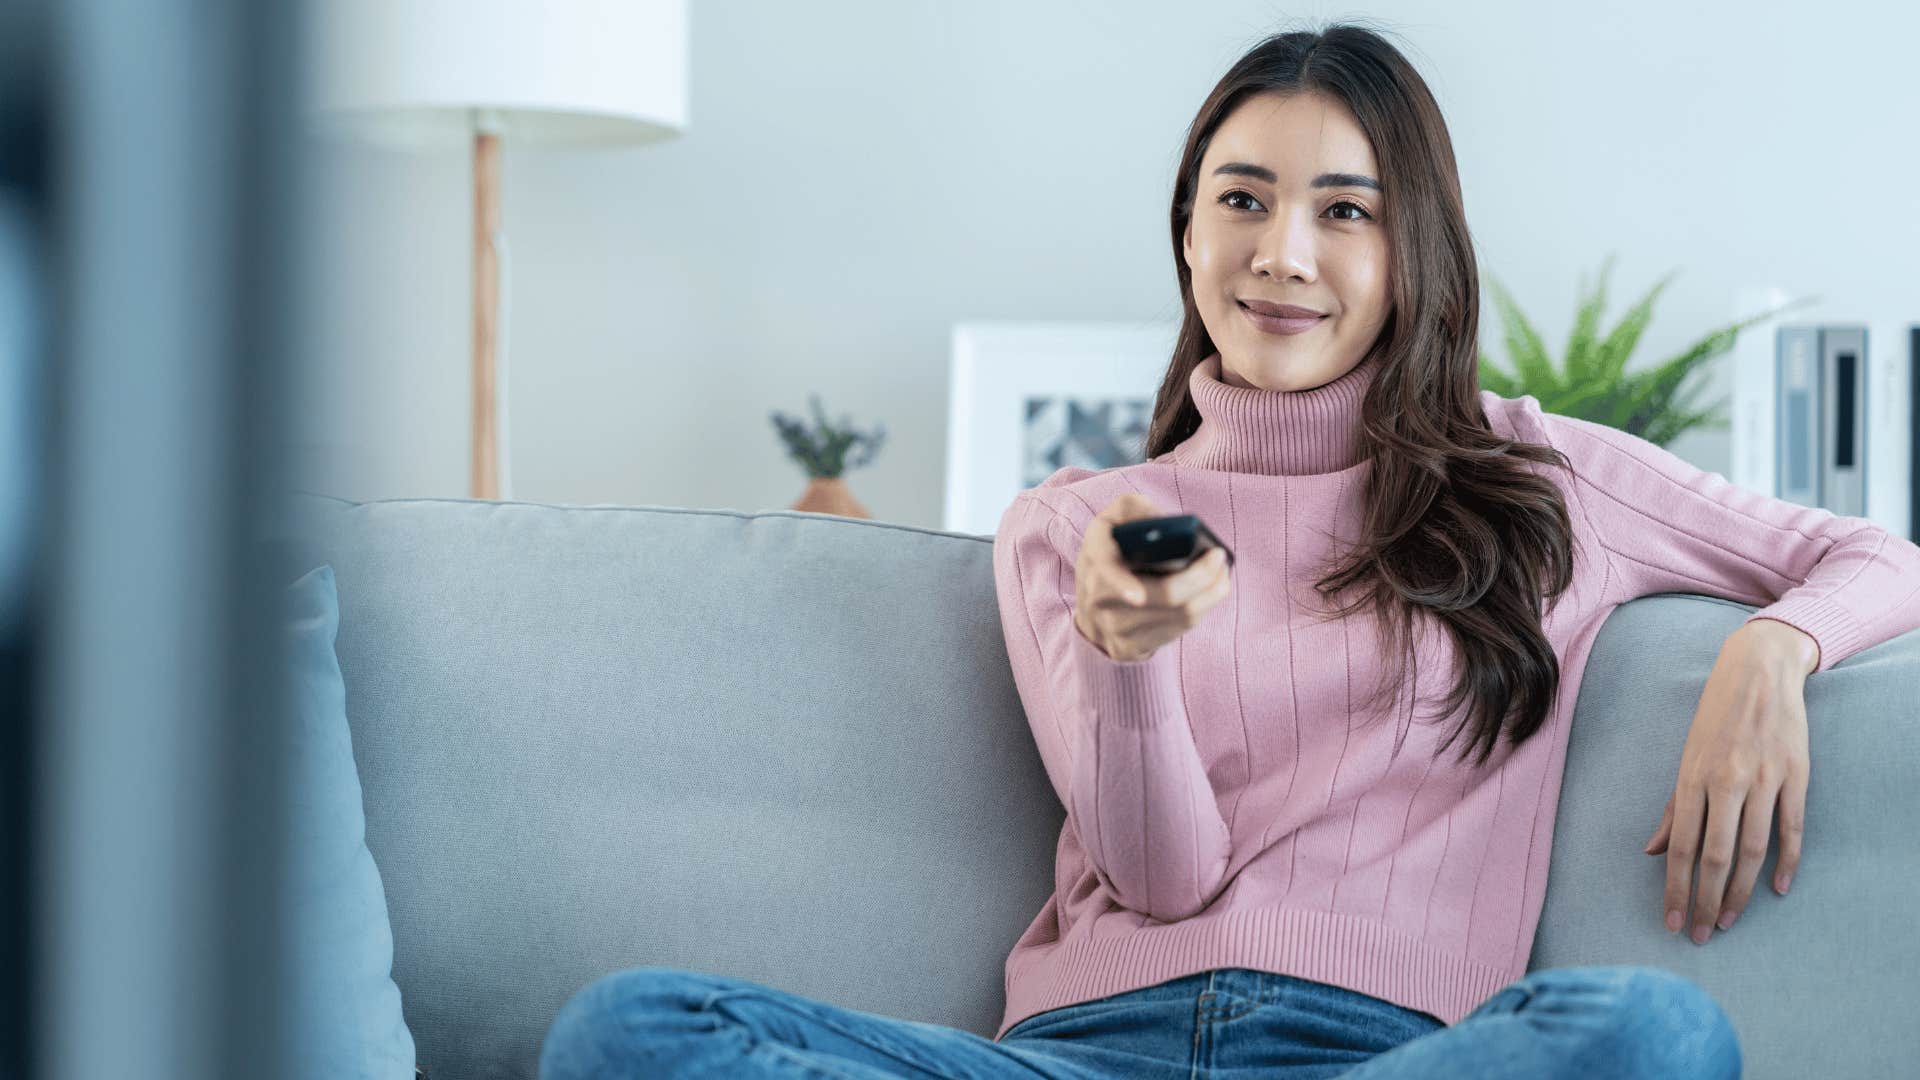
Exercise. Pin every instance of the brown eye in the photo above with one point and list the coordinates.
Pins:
(1227, 199)
(1237, 191)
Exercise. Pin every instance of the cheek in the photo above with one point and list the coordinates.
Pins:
(1214, 251)
(1379, 266)
(1206, 283)
(1201, 260)
(1367, 283)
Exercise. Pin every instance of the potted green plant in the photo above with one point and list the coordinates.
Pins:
(1657, 404)
(822, 450)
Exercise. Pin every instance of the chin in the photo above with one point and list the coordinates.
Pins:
(1284, 374)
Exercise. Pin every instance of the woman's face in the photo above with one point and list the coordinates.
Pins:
(1287, 211)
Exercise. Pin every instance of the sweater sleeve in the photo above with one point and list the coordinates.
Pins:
(1113, 735)
(1668, 526)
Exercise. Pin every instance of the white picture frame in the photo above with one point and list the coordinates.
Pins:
(1027, 398)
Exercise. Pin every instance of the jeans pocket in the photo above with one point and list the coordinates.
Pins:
(1065, 1014)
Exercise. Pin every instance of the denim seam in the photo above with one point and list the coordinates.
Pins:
(1231, 1011)
(785, 1054)
(867, 1038)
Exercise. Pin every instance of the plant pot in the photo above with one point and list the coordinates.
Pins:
(829, 495)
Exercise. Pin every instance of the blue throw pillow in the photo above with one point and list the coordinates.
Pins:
(343, 1005)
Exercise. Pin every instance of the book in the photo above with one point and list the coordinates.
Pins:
(1893, 398)
(1886, 412)
(1797, 412)
(1843, 419)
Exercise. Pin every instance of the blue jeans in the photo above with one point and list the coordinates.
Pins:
(1618, 1021)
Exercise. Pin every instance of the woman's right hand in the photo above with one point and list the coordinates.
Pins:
(1127, 615)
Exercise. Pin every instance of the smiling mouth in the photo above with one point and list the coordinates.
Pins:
(1275, 324)
(1296, 313)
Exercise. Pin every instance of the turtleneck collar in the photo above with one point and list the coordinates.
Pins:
(1276, 432)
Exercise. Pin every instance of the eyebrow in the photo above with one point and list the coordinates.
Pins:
(1261, 172)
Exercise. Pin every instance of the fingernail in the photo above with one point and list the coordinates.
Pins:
(1700, 933)
(1783, 881)
(1673, 922)
(1726, 919)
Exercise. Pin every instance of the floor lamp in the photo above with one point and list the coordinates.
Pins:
(433, 73)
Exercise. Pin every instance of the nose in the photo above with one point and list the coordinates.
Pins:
(1286, 247)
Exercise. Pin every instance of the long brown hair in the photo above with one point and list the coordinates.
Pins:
(1456, 526)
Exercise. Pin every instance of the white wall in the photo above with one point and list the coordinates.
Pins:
(858, 175)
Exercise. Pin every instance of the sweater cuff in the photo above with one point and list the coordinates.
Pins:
(1131, 693)
(1835, 631)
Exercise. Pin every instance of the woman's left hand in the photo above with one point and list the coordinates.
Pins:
(1746, 751)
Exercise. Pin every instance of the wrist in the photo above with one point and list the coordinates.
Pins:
(1795, 647)
(1106, 650)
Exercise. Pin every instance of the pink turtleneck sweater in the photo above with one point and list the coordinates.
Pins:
(1228, 802)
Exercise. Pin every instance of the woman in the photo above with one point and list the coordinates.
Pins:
(1270, 864)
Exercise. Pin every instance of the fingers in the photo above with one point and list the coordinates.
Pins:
(1689, 812)
(1730, 833)
(1099, 531)
(1129, 507)
(1793, 814)
(1716, 861)
(1200, 575)
(1162, 590)
(1756, 818)
(1117, 586)
(1123, 589)
(1665, 830)
(1178, 601)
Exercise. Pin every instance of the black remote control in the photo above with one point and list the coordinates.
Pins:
(1165, 545)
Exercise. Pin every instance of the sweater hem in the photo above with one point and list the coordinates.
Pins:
(1342, 950)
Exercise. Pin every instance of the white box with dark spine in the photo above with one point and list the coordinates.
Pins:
(1797, 436)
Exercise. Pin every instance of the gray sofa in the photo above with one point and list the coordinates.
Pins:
(788, 747)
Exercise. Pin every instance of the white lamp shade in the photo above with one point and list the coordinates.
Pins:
(416, 72)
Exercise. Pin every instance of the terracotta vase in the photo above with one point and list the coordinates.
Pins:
(829, 495)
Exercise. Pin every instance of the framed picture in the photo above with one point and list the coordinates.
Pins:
(1026, 399)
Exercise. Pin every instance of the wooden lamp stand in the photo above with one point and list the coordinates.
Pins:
(486, 304)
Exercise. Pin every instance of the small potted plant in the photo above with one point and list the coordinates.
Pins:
(1657, 404)
(822, 450)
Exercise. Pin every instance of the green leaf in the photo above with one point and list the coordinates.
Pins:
(1575, 400)
(1581, 366)
(1657, 404)
(1652, 392)
(1492, 378)
(1611, 357)
(1669, 427)
(1525, 351)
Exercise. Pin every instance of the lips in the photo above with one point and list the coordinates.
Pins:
(1279, 324)
(1281, 311)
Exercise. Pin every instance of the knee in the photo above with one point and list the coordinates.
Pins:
(1668, 1025)
(622, 1019)
(631, 995)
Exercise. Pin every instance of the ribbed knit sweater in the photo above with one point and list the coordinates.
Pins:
(1230, 804)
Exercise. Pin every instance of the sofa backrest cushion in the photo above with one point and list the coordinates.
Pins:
(785, 747)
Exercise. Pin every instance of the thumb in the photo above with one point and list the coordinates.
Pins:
(1134, 505)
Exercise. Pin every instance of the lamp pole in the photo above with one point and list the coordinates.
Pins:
(486, 303)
